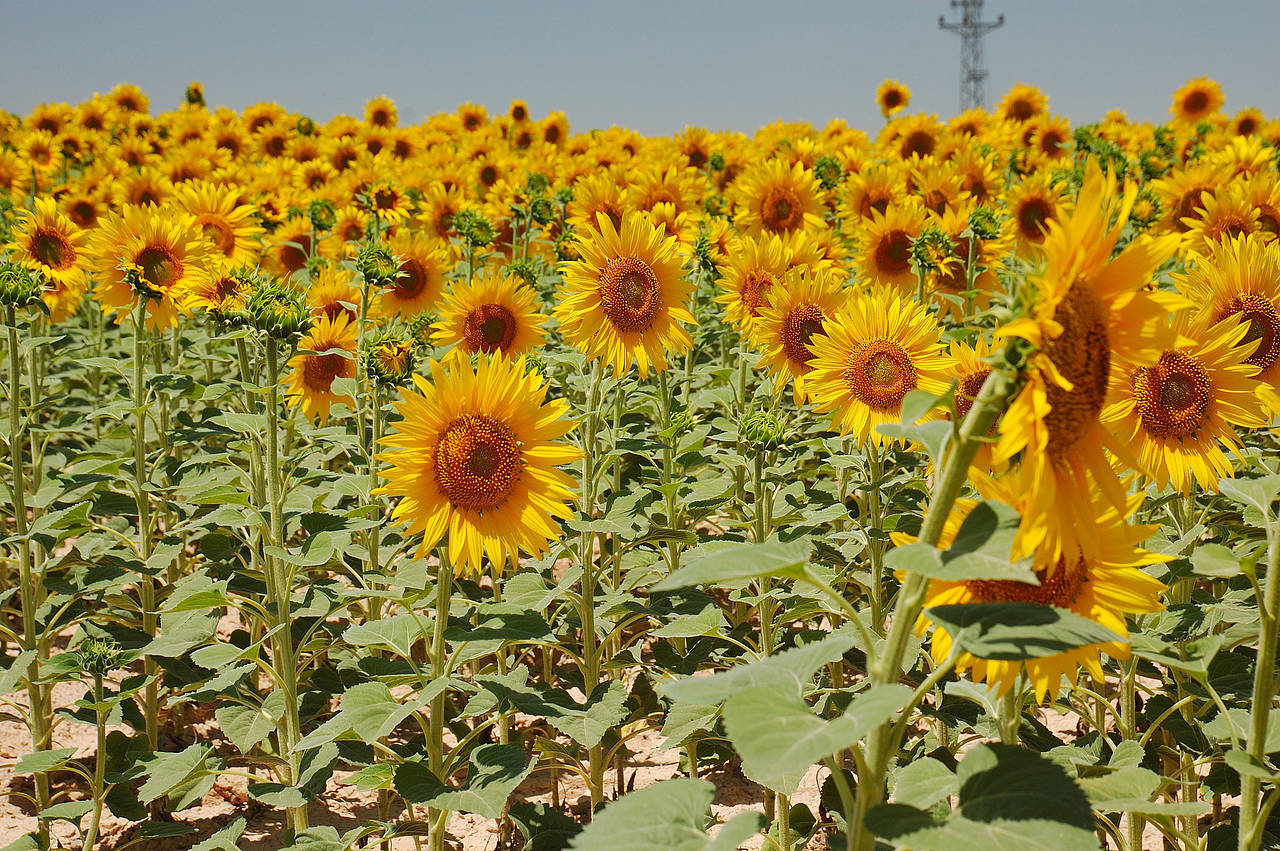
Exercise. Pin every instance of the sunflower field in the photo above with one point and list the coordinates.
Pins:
(477, 484)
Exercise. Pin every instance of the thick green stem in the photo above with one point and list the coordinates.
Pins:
(280, 591)
(439, 668)
(146, 584)
(99, 766)
(39, 713)
(887, 665)
(590, 651)
(1264, 691)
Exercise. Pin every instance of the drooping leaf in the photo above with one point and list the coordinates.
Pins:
(494, 773)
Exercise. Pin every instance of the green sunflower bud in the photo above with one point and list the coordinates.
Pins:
(538, 183)
(931, 250)
(420, 329)
(195, 94)
(98, 657)
(378, 264)
(474, 228)
(1146, 209)
(323, 214)
(524, 271)
(763, 429)
(563, 195)
(682, 422)
(389, 360)
(716, 161)
(984, 223)
(828, 172)
(19, 286)
(541, 211)
(278, 309)
(305, 126)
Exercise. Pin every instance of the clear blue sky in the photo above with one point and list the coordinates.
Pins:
(653, 65)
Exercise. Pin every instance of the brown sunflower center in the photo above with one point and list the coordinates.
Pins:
(1186, 208)
(1032, 217)
(413, 279)
(488, 175)
(319, 371)
(218, 231)
(385, 199)
(755, 290)
(1021, 109)
(892, 98)
(1082, 354)
(1173, 396)
(489, 328)
(880, 373)
(478, 462)
(160, 268)
(83, 213)
(893, 253)
(919, 143)
(629, 294)
(967, 390)
(1196, 102)
(798, 328)
(781, 211)
(1060, 587)
(1264, 326)
(1247, 126)
(53, 250)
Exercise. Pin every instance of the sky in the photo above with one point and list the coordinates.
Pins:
(654, 66)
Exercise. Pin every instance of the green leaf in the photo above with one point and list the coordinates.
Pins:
(1214, 560)
(916, 404)
(779, 737)
(791, 668)
(246, 726)
(585, 724)
(543, 827)
(397, 633)
(1258, 494)
(923, 783)
(225, 839)
(71, 811)
(494, 773)
(736, 563)
(170, 770)
(368, 711)
(1008, 798)
(980, 550)
(39, 762)
(933, 435)
(668, 815)
(1017, 631)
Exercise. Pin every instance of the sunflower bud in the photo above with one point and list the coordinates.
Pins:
(474, 228)
(420, 329)
(563, 195)
(98, 657)
(714, 205)
(682, 422)
(279, 309)
(389, 360)
(305, 126)
(534, 363)
(703, 256)
(19, 286)
(541, 211)
(566, 246)
(716, 161)
(984, 224)
(195, 93)
(538, 183)
(1146, 209)
(1153, 165)
(932, 250)
(232, 289)
(378, 265)
(323, 214)
(763, 429)
(828, 172)
(524, 271)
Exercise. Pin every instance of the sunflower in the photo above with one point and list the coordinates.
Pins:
(288, 247)
(625, 300)
(325, 353)
(472, 116)
(875, 350)
(1224, 214)
(795, 314)
(950, 283)
(495, 313)
(1033, 204)
(381, 112)
(475, 457)
(1241, 278)
(1022, 103)
(1092, 313)
(161, 251)
(970, 370)
(1051, 138)
(144, 186)
(423, 265)
(884, 245)
(50, 243)
(554, 129)
(387, 202)
(596, 193)
(1173, 415)
(873, 189)
(913, 136)
(1180, 193)
(753, 268)
(1248, 121)
(680, 186)
(1263, 192)
(333, 294)
(129, 98)
(892, 97)
(778, 199)
(223, 294)
(1103, 586)
(227, 225)
(1197, 100)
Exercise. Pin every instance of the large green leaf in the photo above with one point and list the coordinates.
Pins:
(779, 738)
(170, 770)
(1017, 631)
(734, 564)
(586, 723)
(980, 550)
(670, 815)
(368, 711)
(494, 773)
(791, 668)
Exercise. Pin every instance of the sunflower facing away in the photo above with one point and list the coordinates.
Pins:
(797, 312)
(1103, 587)
(161, 251)
(325, 353)
(475, 457)
(624, 300)
(1174, 415)
(874, 351)
(1092, 314)
(495, 313)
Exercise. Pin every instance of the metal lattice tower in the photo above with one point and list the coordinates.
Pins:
(971, 28)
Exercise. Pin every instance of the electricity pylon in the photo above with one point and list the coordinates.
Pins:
(971, 28)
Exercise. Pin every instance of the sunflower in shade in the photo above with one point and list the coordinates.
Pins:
(325, 353)
(493, 314)
(475, 458)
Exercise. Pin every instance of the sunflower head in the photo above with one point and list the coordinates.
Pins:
(278, 309)
(389, 360)
(19, 286)
(378, 264)
(195, 93)
(892, 97)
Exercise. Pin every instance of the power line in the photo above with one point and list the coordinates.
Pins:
(971, 28)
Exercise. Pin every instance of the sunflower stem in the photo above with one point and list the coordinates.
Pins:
(279, 590)
(39, 719)
(146, 584)
(886, 667)
(590, 650)
(1264, 691)
(439, 669)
